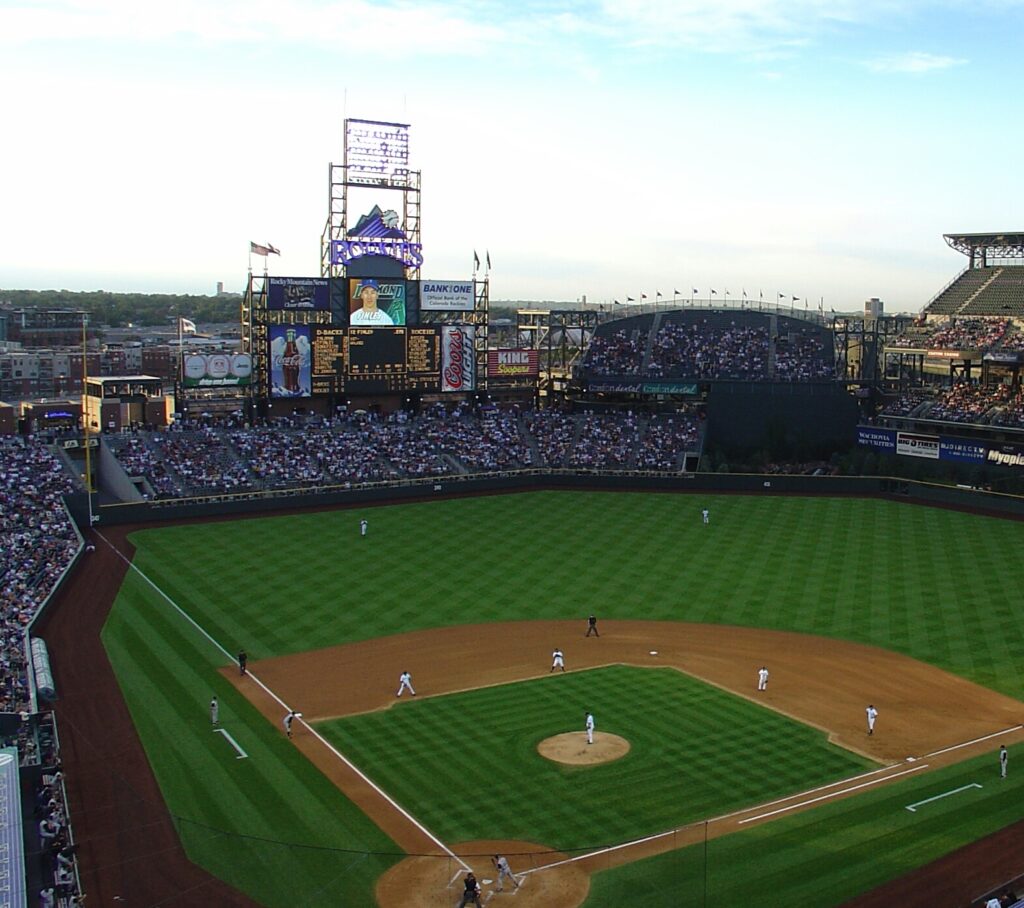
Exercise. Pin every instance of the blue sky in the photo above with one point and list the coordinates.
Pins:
(819, 147)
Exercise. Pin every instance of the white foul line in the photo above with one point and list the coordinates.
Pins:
(913, 807)
(380, 791)
(234, 743)
(995, 734)
(842, 791)
(724, 816)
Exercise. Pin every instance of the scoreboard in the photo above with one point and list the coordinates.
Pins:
(375, 360)
(393, 359)
(328, 360)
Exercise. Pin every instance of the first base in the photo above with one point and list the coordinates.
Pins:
(654, 652)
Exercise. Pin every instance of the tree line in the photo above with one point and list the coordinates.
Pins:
(119, 310)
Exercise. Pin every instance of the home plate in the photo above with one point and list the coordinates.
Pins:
(654, 652)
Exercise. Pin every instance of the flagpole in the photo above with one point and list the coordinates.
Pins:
(85, 419)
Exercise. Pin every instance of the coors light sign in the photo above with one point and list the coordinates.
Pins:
(458, 362)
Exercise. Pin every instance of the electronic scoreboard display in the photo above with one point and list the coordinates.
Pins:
(328, 360)
(382, 360)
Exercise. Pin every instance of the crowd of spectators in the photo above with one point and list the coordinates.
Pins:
(957, 334)
(667, 438)
(802, 355)
(709, 351)
(966, 402)
(201, 460)
(37, 543)
(1011, 412)
(365, 447)
(616, 353)
(605, 441)
(905, 404)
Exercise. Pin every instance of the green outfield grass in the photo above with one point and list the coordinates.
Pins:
(939, 585)
(827, 855)
(467, 764)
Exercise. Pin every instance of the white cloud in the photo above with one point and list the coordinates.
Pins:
(914, 62)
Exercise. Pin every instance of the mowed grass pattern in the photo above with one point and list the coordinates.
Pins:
(939, 585)
(467, 764)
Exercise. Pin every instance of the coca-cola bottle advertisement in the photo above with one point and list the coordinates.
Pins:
(290, 372)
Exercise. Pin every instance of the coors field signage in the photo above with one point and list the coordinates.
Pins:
(446, 296)
(512, 363)
(458, 359)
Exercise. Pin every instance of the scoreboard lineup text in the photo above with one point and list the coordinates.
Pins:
(376, 360)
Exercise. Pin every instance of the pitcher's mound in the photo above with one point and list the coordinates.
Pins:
(572, 748)
(436, 882)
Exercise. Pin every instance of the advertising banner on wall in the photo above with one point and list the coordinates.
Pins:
(512, 363)
(297, 293)
(880, 439)
(458, 359)
(1006, 456)
(376, 303)
(913, 445)
(217, 370)
(961, 450)
(290, 361)
(446, 296)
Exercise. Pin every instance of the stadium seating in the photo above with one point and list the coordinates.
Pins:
(994, 290)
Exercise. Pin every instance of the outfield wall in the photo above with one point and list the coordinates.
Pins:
(540, 479)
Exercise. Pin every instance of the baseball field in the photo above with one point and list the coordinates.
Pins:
(722, 790)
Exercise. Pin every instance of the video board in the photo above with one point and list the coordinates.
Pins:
(382, 360)
(376, 302)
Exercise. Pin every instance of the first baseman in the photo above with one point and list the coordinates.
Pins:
(558, 660)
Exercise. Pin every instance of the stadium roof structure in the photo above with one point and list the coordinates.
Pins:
(1007, 245)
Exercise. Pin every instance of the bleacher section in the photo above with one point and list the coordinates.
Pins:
(712, 345)
(297, 453)
(994, 290)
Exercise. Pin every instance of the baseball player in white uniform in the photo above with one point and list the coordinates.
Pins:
(214, 711)
(364, 525)
(590, 728)
(1003, 759)
(872, 714)
(500, 863)
(557, 660)
(291, 717)
(706, 515)
(405, 683)
(762, 678)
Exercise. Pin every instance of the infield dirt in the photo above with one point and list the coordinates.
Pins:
(821, 682)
